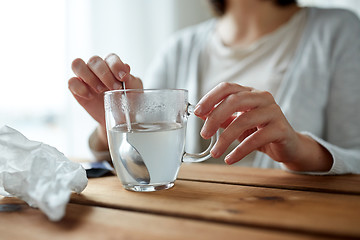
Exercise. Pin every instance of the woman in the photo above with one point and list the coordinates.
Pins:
(280, 80)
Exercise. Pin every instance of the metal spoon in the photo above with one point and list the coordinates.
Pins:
(130, 157)
(133, 162)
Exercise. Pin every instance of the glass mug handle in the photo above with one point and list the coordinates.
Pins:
(199, 157)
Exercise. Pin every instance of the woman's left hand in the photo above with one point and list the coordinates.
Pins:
(256, 120)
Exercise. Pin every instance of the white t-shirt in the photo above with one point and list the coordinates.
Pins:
(260, 65)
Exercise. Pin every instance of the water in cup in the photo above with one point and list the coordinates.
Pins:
(161, 146)
(153, 122)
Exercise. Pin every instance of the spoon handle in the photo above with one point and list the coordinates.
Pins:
(126, 108)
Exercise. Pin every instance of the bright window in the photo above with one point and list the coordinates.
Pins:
(32, 47)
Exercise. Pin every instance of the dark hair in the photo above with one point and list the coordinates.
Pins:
(219, 6)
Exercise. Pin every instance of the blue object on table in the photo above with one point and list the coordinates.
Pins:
(97, 169)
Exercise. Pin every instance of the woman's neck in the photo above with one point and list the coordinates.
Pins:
(245, 21)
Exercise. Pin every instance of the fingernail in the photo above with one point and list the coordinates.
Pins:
(204, 134)
(117, 85)
(227, 160)
(122, 74)
(198, 110)
(100, 88)
(214, 153)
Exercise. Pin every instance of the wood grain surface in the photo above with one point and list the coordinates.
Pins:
(207, 202)
(274, 178)
(268, 208)
(88, 222)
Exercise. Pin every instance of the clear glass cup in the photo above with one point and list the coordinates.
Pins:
(154, 122)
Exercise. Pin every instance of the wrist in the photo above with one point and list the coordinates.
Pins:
(98, 140)
(310, 156)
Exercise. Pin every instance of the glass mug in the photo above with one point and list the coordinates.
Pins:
(152, 123)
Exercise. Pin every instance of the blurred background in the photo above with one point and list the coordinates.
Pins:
(40, 38)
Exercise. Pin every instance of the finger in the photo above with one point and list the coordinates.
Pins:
(82, 71)
(99, 67)
(246, 134)
(92, 102)
(257, 140)
(243, 123)
(80, 89)
(243, 101)
(120, 70)
(216, 95)
(134, 83)
(228, 121)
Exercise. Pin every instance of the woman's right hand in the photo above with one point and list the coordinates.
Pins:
(94, 78)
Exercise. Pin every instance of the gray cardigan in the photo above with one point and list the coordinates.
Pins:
(319, 95)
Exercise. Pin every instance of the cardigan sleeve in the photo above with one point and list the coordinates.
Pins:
(343, 108)
(342, 113)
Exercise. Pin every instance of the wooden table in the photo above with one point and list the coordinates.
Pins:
(207, 202)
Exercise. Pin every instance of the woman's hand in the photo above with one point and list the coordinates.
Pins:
(94, 78)
(254, 118)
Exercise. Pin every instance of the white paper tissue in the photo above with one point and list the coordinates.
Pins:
(38, 173)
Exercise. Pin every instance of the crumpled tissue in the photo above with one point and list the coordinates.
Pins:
(37, 173)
